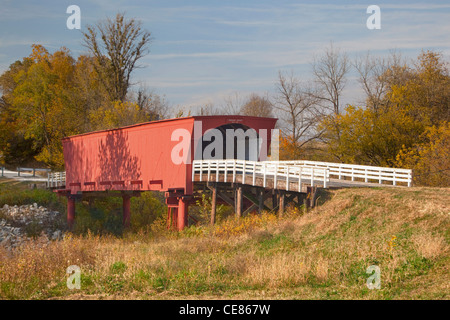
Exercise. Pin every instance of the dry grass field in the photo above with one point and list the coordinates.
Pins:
(320, 254)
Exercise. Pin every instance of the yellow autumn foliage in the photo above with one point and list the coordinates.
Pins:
(429, 160)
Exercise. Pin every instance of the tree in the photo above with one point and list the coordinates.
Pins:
(48, 96)
(257, 106)
(431, 88)
(423, 89)
(377, 74)
(251, 105)
(41, 102)
(14, 148)
(368, 137)
(121, 114)
(88, 94)
(406, 126)
(153, 105)
(297, 109)
(117, 44)
(330, 71)
(208, 109)
(233, 104)
(429, 160)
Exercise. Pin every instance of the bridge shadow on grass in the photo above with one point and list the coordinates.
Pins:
(102, 217)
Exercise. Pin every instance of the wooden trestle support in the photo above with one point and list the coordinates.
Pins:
(245, 199)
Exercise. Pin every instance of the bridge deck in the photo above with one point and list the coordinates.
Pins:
(282, 185)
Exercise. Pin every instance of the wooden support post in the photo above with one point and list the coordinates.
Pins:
(281, 206)
(314, 197)
(274, 199)
(169, 218)
(182, 213)
(70, 211)
(260, 200)
(126, 210)
(213, 203)
(311, 196)
(238, 201)
(174, 218)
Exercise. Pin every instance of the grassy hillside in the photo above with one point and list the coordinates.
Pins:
(322, 254)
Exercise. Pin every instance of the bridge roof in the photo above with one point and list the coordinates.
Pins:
(230, 118)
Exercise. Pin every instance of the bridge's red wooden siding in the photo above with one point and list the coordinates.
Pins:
(138, 157)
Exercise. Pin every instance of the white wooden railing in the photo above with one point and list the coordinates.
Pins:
(239, 170)
(369, 174)
(301, 171)
(20, 169)
(56, 179)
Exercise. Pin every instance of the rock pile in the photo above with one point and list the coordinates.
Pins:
(20, 223)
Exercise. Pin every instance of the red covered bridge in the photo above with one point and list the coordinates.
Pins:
(185, 157)
(141, 158)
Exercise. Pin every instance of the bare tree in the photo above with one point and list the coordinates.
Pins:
(153, 105)
(250, 105)
(181, 112)
(377, 74)
(297, 108)
(233, 104)
(330, 70)
(117, 44)
(257, 106)
(208, 109)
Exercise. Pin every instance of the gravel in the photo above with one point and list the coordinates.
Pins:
(20, 223)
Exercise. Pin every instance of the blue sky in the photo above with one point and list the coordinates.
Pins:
(203, 51)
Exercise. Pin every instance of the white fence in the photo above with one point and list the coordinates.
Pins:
(368, 174)
(300, 171)
(275, 171)
(20, 169)
(56, 179)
